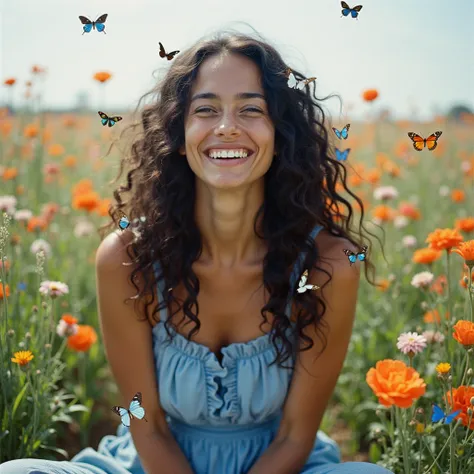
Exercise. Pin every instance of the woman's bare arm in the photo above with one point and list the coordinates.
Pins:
(128, 345)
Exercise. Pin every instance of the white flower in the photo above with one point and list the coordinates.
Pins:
(53, 288)
(64, 329)
(443, 191)
(84, 229)
(422, 280)
(411, 342)
(40, 244)
(385, 193)
(433, 336)
(409, 241)
(400, 221)
(466, 166)
(8, 204)
(23, 215)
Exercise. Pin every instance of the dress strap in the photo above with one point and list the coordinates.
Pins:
(160, 291)
(297, 270)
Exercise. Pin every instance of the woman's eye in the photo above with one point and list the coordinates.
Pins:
(248, 109)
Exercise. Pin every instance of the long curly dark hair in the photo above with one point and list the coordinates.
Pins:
(300, 192)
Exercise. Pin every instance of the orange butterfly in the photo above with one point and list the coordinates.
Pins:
(419, 142)
(164, 54)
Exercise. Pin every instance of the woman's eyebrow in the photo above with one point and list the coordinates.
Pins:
(239, 96)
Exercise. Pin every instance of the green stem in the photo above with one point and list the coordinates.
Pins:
(470, 288)
(466, 367)
(448, 273)
(402, 433)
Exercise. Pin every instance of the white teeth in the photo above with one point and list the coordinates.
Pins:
(228, 153)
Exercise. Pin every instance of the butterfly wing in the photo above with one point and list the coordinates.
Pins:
(304, 83)
(362, 253)
(292, 82)
(346, 9)
(135, 407)
(355, 11)
(418, 142)
(104, 117)
(437, 414)
(124, 415)
(87, 24)
(337, 132)
(350, 255)
(342, 155)
(162, 51)
(432, 140)
(171, 55)
(451, 417)
(345, 131)
(114, 120)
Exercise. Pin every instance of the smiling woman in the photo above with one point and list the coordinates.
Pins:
(233, 173)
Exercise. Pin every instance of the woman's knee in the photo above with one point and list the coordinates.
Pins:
(26, 466)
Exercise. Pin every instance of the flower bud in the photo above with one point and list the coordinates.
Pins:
(38, 372)
(424, 306)
(47, 346)
(44, 305)
(28, 335)
(472, 401)
(34, 309)
(450, 378)
(469, 372)
(469, 411)
(11, 332)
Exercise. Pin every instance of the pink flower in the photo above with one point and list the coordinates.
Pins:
(411, 343)
(53, 288)
(422, 280)
(433, 336)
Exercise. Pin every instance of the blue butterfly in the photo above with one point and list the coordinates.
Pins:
(124, 223)
(342, 155)
(135, 410)
(111, 120)
(354, 257)
(439, 415)
(343, 133)
(346, 9)
(97, 24)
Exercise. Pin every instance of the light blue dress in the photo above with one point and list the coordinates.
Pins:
(223, 415)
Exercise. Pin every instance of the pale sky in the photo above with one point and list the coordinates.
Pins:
(415, 52)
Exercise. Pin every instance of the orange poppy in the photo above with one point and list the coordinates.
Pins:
(103, 207)
(87, 201)
(464, 333)
(70, 161)
(37, 69)
(7, 291)
(9, 82)
(465, 225)
(83, 339)
(10, 173)
(466, 250)
(83, 186)
(426, 256)
(444, 239)
(56, 150)
(407, 209)
(370, 95)
(458, 195)
(102, 76)
(30, 131)
(383, 213)
(395, 384)
(36, 224)
(461, 400)
(373, 176)
(6, 128)
(439, 285)
(69, 318)
(434, 316)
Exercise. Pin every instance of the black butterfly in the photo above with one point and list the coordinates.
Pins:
(97, 24)
(110, 120)
(164, 54)
(353, 257)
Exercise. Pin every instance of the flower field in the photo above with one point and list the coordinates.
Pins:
(413, 342)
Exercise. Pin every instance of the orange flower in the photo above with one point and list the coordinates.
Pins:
(103, 207)
(30, 131)
(10, 173)
(395, 384)
(383, 284)
(102, 76)
(69, 121)
(439, 284)
(426, 256)
(22, 357)
(383, 213)
(37, 69)
(70, 161)
(433, 316)
(55, 150)
(83, 339)
(373, 176)
(9, 82)
(6, 265)
(36, 224)
(444, 239)
(461, 400)
(458, 195)
(49, 210)
(392, 169)
(6, 128)
(83, 186)
(370, 95)
(7, 291)
(465, 225)
(355, 181)
(69, 318)
(464, 333)
(466, 250)
(87, 201)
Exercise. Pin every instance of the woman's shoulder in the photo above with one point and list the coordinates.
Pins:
(331, 246)
(112, 250)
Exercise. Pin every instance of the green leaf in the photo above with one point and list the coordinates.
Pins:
(374, 452)
(18, 399)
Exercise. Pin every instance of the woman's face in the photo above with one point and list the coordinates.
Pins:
(227, 110)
